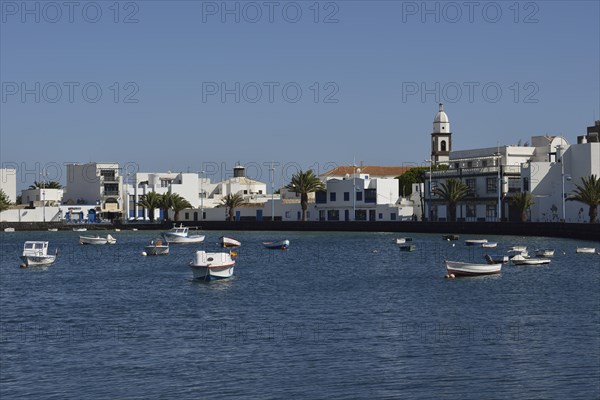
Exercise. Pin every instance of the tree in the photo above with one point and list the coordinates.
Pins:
(410, 177)
(4, 201)
(46, 185)
(523, 202)
(232, 201)
(588, 193)
(150, 201)
(166, 204)
(179, 204)
(452, 191)
(304, 183)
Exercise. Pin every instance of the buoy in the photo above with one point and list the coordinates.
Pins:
(144, 253)
(23, 265)
(453, 244)
(452, 276)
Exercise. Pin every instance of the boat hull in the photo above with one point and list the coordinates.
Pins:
(35, 261)
(475, 242)
(466, 269)
(586, 250)
(157, 250)
(280, 245)
(225, 241)
(174, 239)
(212, 273)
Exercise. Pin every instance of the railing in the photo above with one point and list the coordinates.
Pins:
(447, 173)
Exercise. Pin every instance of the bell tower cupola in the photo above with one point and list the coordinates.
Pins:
(441, 138)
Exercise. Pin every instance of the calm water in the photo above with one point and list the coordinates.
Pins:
(338, 315)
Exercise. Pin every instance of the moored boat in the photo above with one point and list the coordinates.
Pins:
(212, 266)
(474, 242)
(9, 229)
(521, 260)
(52, 229)
(408, 247)
(180, 234)
(458, 268)
(277, 245)
(450, 237)
(97, 239)
(157, 248)
(79, 229)
(35, 253)
(225, 241)
(489, 245)
(499, 258)
(590, 250)
(544, 253)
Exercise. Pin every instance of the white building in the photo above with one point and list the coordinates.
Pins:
(42, 196)
(96, 183)
(8, 183)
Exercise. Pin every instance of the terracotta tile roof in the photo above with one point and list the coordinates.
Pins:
(371, 170)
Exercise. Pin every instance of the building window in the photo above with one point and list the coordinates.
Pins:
(514, 185)
(490, 211)
(526, 184)
(393, 216)
(346, 196)
(456, 165)
(484, 163)
(332, 196)
(358, 196)
(370, 195)
(471, 211)
(469, 164)
(380, 215)
(321, 197)
(333, 215)
(288, 214)
(472, 185)
(187, 215)
(245, 192)
(443, 145)
(260, 192)
(360, 215)
(491, 185)
(165, 183)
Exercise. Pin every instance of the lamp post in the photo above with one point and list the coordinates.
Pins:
(562, 178)
(201, 197)
(43, 179)
(430, 161)
(272, 177)
(499, 187)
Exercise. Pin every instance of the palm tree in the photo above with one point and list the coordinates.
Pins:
(232, 201)
(523, 202)
(166, 203)
(46, 185)
(452, 192)
(150, 201)
(4, 201)
(588, 193)
(179, 204)
(305, 183)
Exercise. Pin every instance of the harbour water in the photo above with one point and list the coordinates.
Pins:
(337, 315)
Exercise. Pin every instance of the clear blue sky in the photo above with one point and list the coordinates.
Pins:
(371, 57)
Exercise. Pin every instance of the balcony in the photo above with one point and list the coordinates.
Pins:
(493, 170)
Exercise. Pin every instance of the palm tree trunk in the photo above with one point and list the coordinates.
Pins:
(304, 205)
(593, 214)
(452, 212)
(151, 214)
(523, 215)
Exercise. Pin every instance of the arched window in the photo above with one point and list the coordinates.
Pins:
(443, 145)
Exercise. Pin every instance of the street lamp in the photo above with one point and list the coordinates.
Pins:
(201, 197)
(562, 177)
(430, 161)
(499, 188)
(43, 179)
(272, 176)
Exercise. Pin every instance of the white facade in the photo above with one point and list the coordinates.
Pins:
(8, 183)
(41, 196)
(96, 183)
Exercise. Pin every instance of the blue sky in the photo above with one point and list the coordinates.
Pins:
(370, 74)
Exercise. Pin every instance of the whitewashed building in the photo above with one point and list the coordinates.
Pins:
(96, 183)
(42, 196)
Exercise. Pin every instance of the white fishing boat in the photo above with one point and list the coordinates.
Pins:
(499, 258)
(400, 240)
(544, 253)
(457, 268)
(277, 245)
(79, 229)
(521, 260)
(181, 234)
(97, 239)
(9, 229)
(225, 241)
(35, 253)
(475, 242)
(52, 229)
(521, 249)
(590, 250)
(212, 266)
(157, 247)
(489, 245)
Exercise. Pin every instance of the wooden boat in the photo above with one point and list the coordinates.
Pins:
(458, 268)
(225, 241)
(277, 245)
(489, 245)
(212, 266)
(521, 260)
(157, 248)
(408, 247)
(590, 250)
(35, 253)
(97, 239)
(544, 253)
(450, 237)
(180, 234)
(474, 242)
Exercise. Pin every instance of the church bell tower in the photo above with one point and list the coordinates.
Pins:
(441, 138)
